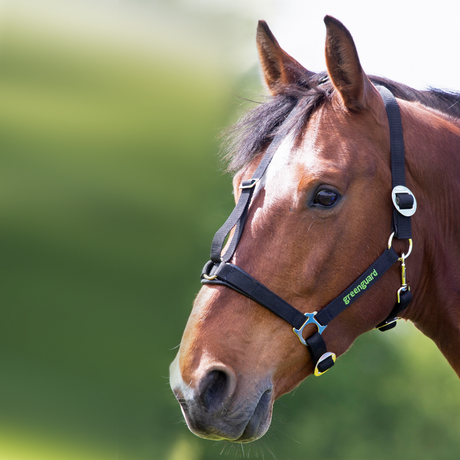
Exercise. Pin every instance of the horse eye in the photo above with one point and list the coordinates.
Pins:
(326, 197)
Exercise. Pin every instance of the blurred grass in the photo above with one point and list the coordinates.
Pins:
(110, 192)
(99, 156)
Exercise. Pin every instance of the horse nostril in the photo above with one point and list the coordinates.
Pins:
(216, 388)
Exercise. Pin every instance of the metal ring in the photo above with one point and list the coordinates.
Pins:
(209, 278)
(390, 240)
(404, 256)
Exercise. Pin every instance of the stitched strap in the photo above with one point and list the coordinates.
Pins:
(237, 279)
(317, 348)
(238, 218)
(358, 288)
(401, 224)
(405, 297)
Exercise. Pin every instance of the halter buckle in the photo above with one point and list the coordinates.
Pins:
(404, 200)
(310, 320)
(386, 326)
(320, 360)
(248, 183)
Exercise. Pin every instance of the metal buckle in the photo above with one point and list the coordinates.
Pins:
(310, 320)
(320, 360)
(404, 212)
(388, 325)
(248, 183)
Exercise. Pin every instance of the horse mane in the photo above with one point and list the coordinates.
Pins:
(254, 131)
(446, 102)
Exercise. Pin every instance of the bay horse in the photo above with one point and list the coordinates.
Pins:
(315, 168)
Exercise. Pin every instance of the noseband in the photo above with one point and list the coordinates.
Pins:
(221, 272)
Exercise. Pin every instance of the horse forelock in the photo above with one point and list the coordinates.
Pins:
(254, 131)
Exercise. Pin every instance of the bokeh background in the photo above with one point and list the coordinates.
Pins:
(110, 191)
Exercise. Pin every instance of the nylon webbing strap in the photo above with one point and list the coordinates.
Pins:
(358, 288)
(317, 347)
(237, 279)
(401, 224)
(238, 216)
(405, 298)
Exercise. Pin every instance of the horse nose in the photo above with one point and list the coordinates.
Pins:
(216, 406)
(216, 387)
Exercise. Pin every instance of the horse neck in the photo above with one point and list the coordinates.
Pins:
(433, 173)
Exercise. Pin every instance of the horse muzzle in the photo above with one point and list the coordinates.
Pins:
(215, 407)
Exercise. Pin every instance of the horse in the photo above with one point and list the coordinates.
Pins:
(317, 211)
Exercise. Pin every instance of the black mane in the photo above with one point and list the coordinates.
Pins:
(257, 128)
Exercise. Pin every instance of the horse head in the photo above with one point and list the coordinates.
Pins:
(317, 219)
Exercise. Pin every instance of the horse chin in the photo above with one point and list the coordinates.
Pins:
(230, 427)
(260, 420)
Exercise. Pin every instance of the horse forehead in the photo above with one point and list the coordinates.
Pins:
(316, 154)
(327, 140)
(308, 155)
(329, 145)
(328, 136)
(284, 156)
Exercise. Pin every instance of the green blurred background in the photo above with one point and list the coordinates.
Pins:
(110, 192)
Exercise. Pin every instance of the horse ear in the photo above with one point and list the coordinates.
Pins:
(278, 67)
(343, 66)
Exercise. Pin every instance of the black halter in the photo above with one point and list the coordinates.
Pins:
(220, 271)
